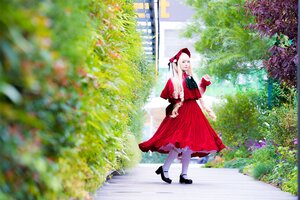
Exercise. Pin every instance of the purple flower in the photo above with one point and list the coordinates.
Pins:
(296, 141)
(256, 144)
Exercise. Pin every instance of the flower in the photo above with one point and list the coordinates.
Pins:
(252, 145)
(296, 141)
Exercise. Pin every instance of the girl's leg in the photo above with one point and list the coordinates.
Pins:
(185, 160)
(172, 155)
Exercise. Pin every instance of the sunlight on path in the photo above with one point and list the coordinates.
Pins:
(209, 184)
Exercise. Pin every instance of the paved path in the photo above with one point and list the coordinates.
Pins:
(141, 183)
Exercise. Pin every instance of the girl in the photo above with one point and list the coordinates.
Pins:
(185, 130)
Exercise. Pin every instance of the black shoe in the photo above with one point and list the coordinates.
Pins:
(161, 172)
(184, 180)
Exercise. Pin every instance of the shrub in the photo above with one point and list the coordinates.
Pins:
(238, 119)
(285, 165)
(262, 161)
(291, 183)
(71, 91)
(248, 169)
(273, 94)
(261, 169)
(276, 165)
(267, 154)
(281, 125)
(39, 97)
(132, 152)
(246, 117)
(237, 152)
(228, 154)
(239, 163)
(278, 120)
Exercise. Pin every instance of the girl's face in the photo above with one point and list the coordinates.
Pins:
(184, 62)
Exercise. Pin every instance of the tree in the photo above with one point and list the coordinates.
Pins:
(277, 19)
(230, 48)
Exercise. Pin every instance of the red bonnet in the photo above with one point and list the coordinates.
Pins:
(176, 57)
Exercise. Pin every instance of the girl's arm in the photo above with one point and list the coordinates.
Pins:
(175, 109)
(205, 81)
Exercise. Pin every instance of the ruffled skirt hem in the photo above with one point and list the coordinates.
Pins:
(190, 129)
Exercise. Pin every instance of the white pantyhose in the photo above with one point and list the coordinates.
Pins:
(185, 160)
(172, 155)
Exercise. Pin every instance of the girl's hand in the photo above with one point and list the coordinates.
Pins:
(207, 77)
(174, 113)
(175, 110)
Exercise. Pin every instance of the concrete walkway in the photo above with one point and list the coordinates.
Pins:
(141, 183)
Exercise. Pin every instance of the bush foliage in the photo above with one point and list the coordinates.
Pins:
(71, 92)
(260, 125)
(268, 150)
(238, 119)
(278, 20)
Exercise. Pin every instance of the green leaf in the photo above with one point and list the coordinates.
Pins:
(11, 92)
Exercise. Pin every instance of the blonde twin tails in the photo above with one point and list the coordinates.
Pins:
(176, 76)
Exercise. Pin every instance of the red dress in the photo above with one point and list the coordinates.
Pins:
(189, 129)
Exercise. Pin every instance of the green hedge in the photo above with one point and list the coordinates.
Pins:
(275, 165)
(247, 115)
(238, 118)
(261, 140)
(72, 84)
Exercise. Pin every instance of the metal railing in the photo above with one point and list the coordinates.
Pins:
(148, 26)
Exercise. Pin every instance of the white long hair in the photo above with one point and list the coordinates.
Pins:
(176, 77)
